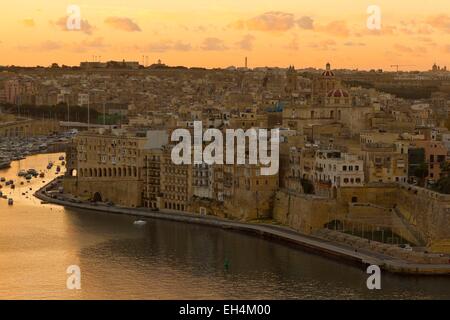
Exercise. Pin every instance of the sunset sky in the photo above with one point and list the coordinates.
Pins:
(220, 33)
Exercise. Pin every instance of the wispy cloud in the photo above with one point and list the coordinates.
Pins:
(123, 23)
(213, 44)
(246, 43)
(86, 27)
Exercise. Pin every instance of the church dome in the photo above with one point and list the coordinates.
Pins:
(338, 93)
(328, 72)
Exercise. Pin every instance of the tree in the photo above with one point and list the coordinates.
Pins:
(307, 186)
(421, 172)
(443, 185)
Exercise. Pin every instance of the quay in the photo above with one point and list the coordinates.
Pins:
(341, 251)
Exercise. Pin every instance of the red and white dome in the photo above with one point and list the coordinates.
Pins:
(338, 93)
(328, 73)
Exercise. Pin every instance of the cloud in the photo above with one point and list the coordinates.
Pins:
(124, 24)
(95, 43)
(335, 28)
(305, 23)
(246, 43)
(354, 44)
(164, 46)
(86, 27)
(417, 51)
(402, 48)
(44, 46)
(28, 23)
(274, 21)
(324, 45)
(213, 44)
(384, 31)
(440, 22)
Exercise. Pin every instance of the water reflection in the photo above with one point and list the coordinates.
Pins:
(164, 260)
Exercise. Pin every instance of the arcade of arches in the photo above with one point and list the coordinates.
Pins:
(113, 172)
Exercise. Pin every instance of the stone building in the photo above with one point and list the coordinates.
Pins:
(384, 163)
(152, 178)
(176, 183)
(107, 158)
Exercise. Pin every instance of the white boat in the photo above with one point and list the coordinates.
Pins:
(140, 223)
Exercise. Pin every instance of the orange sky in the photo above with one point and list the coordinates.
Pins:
(220, 33)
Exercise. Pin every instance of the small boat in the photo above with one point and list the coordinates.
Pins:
(13, 186)
(28, 176)
(2, 179)
(10, 202)
(32, 171)
(61, 158)
(42, 175)
(22, 173)
(140, 223)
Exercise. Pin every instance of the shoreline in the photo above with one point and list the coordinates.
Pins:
(338, 251)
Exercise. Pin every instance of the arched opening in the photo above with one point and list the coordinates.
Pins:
(97, 197)
(109, 172)
(120, 172)
(104, 172)
(95, 172)
(335, 225)
(90, 172)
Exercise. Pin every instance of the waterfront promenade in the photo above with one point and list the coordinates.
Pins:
(344, 252)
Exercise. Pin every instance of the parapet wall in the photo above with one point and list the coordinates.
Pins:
(305, 213)
(424, 215)
(427, 211)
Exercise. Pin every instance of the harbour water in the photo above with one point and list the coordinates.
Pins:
(163, 259)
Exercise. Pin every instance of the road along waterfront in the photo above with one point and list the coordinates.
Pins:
(166, 259)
